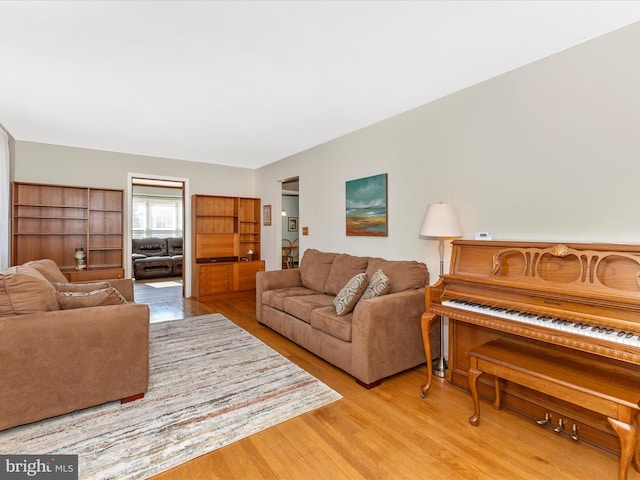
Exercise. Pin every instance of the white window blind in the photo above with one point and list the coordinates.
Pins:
(156, 217)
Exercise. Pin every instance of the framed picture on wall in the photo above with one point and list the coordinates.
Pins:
(293, 224)
(266, 215)
(367, 206)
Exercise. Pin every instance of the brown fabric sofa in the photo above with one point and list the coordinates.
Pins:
(379, 338)
(54, 361)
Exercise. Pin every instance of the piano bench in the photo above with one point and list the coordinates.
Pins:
(598, 386)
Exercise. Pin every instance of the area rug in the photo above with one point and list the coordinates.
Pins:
(211, 384)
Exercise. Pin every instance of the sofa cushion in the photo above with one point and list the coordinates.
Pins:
(403, 275)
(343, 269)
(48, 268)
(326, 320)
(302, 306)
(348, 296)
(275, 298)
(314, 269)
(94, 298)
(379, 285)
(25, 290)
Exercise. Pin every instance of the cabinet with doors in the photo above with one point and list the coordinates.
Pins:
(226, 244)
(52, 221)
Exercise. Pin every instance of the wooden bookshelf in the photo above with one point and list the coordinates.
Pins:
(51, 221)
(225, 229)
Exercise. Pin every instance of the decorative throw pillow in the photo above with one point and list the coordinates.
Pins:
(378, 285)
(80, 287)
(94, 298)
(347, 298)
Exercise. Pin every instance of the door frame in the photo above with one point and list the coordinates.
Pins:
(186, 218)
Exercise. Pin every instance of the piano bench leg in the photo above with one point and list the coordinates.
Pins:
(497, 401)
(473, 375)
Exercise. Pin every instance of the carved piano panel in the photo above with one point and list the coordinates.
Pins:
(574, 288)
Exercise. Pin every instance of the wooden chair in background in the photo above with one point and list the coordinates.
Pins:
(286, 253)
(294, 253)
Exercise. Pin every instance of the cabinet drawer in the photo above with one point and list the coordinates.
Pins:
(94, 274)
(215, 279)
(215, 270)
(215, 287)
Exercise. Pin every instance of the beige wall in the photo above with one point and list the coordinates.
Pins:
(44, 163)
(550, 151)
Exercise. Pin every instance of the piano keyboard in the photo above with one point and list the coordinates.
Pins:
(577, 328)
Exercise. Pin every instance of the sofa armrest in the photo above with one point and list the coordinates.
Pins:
(386, 335)
(275, 280)
(61, 361)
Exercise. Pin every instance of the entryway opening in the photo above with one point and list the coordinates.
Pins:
(290, 222)
(157, 241)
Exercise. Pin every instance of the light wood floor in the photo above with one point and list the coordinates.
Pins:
(388, 432)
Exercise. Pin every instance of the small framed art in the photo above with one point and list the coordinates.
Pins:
(266, 215)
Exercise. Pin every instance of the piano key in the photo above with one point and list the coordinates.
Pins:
(578, 328)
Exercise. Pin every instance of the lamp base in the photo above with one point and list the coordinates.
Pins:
(440, 367)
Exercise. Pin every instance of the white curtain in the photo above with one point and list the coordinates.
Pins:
(5, 207)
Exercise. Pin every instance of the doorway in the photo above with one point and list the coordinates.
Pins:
(156, 240)
(290, 222)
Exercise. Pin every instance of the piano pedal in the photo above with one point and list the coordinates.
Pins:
(560, 426)
(546, 420)
(574, 432)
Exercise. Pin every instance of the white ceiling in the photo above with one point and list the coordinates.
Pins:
(247, 83)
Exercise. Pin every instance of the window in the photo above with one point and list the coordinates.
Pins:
(156, 216)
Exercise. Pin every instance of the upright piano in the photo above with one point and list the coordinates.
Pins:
(582, 298)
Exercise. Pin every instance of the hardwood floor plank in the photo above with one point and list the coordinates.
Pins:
(388, 432)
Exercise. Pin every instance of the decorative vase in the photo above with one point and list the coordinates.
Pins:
(80, 256)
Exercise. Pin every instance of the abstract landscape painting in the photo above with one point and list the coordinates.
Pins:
(367, 206)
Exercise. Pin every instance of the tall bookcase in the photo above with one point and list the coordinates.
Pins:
(225, 230)
(51, 221)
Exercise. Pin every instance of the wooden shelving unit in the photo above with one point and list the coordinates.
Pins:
(51, 221)
(225, 230)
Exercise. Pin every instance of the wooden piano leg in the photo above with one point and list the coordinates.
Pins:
(627, 435)
(425, 326)
(473, 375)
(636, 454)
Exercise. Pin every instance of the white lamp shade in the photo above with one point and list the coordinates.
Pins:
(440, 221)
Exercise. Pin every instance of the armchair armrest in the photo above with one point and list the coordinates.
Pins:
(60, 361)
(124, 286)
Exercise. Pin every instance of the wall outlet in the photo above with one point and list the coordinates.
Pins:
(484, 236)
